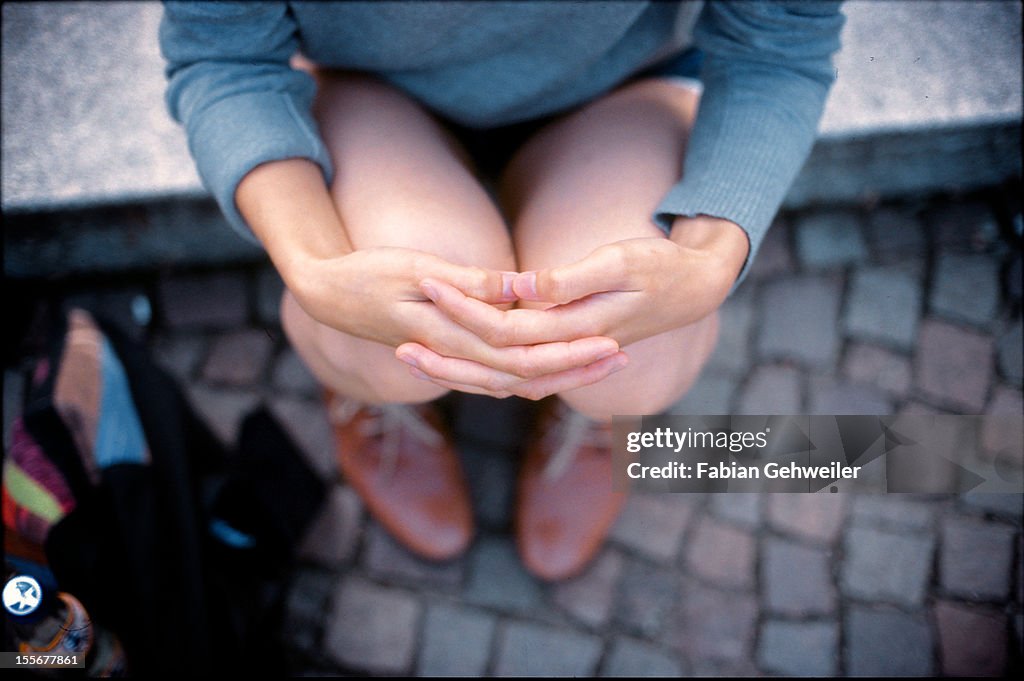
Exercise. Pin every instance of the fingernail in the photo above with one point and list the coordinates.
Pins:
(507, 279)
(409, 359)
(428, 290)
(526, 285)
(418, 374)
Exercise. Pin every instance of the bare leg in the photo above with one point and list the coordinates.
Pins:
(593, 178)
(399, 181)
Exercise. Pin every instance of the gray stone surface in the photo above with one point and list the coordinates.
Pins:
(953, 366)
(883, 566)
(646, 596)
(1011, 353)
(291, 375)
(221, 409)
(334, 535)
(884, 305)
(771, 390)
(269, 288)
(894, 233)
(973, 640)
(653, 524)
(372, 628)
(712, 625)
(741, 508)
(893, 511)
(830, 239)
(976, 559)
(630, 657)
(887, 643)
(179, 354)
(535, 650)
(800, 320)
(238, 358)
(711, 394)
(965, 288)
(732, 354)
(591, 596)
(775, 256)
(306, 422)
(831, 397)
(386, 559)
(215, 300)
(797, 580)
(878, 367)
(1002, 433)
(722, 554)
(497, 578)
(456, 642)
(812, 517)
(799, 648)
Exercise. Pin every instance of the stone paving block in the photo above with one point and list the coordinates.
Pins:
(875, 366)
(269, 289)
(1005, 505)
(812, 517)
(1002, 435)
(179, 354)
(385, 559)
(973, 640)
(711, 394)
(215, 300)
(883, 566)
(590, 597)
(497, 578)
(238, 358)
(799, 648)
(771, 390)
(963, 226)
(372, 628)
(334, 535)
(953, 366)
(306, 422)
(527, 649)
(221, 409)
(976, 559)
(456, 641)
(893, 512)
(796, 580)
(722, 554)
(893, 233)
(742, 508)
(653, 524)
(884, 305)
(965, 288)
(829, 239)
(291, 375)
(632, 658)
(713, 625)
(775, 255)
(307, 599)
(733, 352)
(887, 644)
(1011, 353)
(800, 320)
(647, 596)
(491, 476)
(832, 397)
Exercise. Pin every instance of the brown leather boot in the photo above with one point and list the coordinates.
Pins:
(400, 460)
(566, 504)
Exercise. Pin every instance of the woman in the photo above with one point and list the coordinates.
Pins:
(594, 275)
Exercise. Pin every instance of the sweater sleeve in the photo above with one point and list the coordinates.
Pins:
(767, 71)
(231, 86)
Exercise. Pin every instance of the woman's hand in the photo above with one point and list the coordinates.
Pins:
(628, 290)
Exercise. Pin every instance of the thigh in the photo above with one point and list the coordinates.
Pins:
(595, 177)
(401, 179)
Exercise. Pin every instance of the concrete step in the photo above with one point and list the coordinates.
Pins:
(928, 98)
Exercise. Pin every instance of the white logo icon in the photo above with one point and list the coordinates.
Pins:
(22, 595)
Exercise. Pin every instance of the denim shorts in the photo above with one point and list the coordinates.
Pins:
(492, 148)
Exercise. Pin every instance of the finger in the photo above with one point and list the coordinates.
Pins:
(469, 376)
(449, 339)
(491, 286)
(605, 269)
(503, 328)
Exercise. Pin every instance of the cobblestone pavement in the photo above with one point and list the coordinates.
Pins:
(874, 310)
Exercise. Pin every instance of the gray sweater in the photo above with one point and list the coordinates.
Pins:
(766, 72)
